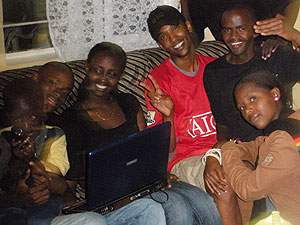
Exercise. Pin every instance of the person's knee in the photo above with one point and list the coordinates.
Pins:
(13, 216)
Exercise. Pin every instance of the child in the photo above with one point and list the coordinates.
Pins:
(28, 139)
(30, 149)
(262, 102)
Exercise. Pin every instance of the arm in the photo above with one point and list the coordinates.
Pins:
(288, 20)
(278, 26)
(186, 13)
(56, 161)
(141, 120)
(163, 104)
(25, 195)
(283, 158)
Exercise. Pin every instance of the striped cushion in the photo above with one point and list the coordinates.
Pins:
(139, 64)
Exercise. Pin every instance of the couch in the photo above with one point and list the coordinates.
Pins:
(139, 64)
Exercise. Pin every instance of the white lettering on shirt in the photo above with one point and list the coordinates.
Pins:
(202, 125)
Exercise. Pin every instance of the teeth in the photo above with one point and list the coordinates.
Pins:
(100, 86)
(179, 45)
(237, 43)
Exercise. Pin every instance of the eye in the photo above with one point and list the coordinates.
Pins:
(162, 37)
(52, 83)
(252, 99)
(112, 74)
(175, 28)
(226, 30)
(241, 108)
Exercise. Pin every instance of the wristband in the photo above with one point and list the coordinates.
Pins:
(214, 152)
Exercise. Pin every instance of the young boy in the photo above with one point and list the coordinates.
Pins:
(30, 148)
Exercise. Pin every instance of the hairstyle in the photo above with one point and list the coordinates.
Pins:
(111, 49)
(57, 65)
(17, 89)
(267, 80)
(240, 6)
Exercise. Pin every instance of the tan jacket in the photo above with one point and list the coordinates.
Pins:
(277, 174)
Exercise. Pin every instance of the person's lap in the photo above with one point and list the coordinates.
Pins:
(35, 215)
(190, 170)
(142, 211)
(195, 206)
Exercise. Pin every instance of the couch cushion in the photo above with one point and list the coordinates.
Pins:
(139, 64)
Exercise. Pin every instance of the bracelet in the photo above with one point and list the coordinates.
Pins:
(214, 152)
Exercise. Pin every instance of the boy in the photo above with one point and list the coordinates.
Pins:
(41, 154)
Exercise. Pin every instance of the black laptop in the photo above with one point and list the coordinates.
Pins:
(126, 170)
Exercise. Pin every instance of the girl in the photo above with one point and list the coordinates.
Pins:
(262, 102)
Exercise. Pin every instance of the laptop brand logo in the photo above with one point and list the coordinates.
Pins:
(131, 162)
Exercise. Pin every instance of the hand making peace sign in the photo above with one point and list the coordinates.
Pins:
(158, 99)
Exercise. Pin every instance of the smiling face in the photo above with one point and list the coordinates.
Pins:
(104, 72)
(176, 40)
(56, 84)
(257, 105)
(238, 34)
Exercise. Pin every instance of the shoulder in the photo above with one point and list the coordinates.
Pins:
(205, 59)
(53, 131)
(216, 64)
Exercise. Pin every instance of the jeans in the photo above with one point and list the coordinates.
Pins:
(188, 205)
(143, 211)
(35, 215)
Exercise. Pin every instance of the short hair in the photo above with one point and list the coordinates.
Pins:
(110, 48)
(239, 6)
(163, 15)
(58, 65)
(17, 89)
(264, 79)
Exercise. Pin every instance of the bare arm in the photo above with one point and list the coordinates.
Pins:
(164, 104)
(141, 120)
(278, 26)
(186, 13)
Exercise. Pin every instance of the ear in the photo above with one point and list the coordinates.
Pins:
(189, 26)
(87, 67)
(35, 76)
(276, 93)
(160, 45)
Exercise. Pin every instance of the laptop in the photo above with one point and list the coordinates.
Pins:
(126, 170)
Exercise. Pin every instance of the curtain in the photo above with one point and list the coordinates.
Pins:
(77, 25)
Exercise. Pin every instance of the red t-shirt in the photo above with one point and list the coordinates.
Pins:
(193, 120)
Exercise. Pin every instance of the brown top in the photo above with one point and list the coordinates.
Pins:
(277, 174)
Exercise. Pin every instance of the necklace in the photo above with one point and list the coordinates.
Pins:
(98, 115)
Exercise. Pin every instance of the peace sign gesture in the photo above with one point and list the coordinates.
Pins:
(158, 99)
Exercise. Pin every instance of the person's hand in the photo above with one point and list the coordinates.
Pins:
(275, 26)
(39, 174)
(30, 196)
(214, 176)
(170, 178)
(268, 47)
(159, 100)
(23, 149)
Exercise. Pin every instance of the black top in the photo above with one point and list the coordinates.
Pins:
(84, 135)
(220, 78)
(208, 13)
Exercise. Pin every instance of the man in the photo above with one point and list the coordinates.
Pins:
(204, 14)
(33, 204)
(221, 76)
(180, 78)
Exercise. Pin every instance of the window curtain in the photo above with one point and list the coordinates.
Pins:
(75, 26)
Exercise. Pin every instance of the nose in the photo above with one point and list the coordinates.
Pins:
(172, 37)
(248, 109)
(234, 34)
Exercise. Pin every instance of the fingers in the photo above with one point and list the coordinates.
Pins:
(269, 47)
